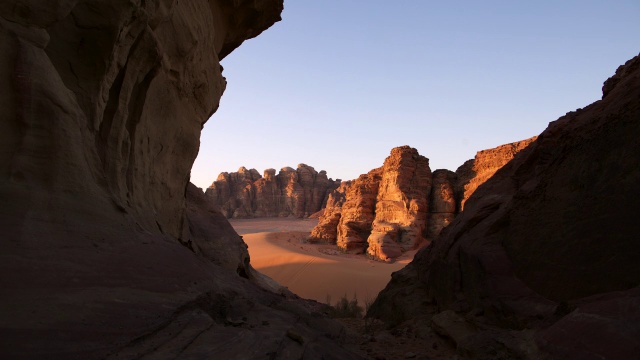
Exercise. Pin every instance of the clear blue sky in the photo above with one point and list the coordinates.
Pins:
(338, 83)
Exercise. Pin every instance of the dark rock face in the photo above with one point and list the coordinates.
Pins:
(297, 192)
(548, 243)
(107, 251)
(442, 202)
(475, 172)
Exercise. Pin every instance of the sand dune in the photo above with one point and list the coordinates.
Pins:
(312, 271)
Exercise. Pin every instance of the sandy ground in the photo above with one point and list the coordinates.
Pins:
(312, 271)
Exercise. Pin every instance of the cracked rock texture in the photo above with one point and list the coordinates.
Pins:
(543, 261)
(401, 205)
(299, 192)
(107, 251)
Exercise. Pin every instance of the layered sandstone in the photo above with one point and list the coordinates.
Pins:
(442, 202)
(548, 244)
(297, 192)
(358, 212)
(107, 250)
(478, 170)
(401, 205)
(327, 228)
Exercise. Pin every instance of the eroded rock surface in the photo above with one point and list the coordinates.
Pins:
(106, 251)
(549, 244)
(401, 205)
(358, 212)
(442, 202)
(478, 170)
(297, 192)
(327, 228)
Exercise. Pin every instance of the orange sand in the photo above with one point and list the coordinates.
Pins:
(312, 271)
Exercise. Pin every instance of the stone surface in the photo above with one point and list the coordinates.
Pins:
(442, 202)
(329, 218)
(401, 205)
(299, 192)
(549, 243)
(107, 251)
(358, 212)
(478, 170)
(411, 207)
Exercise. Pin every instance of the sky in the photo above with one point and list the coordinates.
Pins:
(338, 83)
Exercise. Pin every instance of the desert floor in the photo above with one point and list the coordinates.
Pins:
(312, 271)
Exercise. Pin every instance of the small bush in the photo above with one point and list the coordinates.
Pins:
(345, 308)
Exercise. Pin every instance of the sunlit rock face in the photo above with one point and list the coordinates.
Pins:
(549, 243)
(327, 229)
(478, 170)
(292, 192)
(358, 212)
(401, 205)
(107, 251)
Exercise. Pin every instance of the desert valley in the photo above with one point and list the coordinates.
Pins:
(529, 250)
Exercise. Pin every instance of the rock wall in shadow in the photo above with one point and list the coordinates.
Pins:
(107, 252)
(543, 259)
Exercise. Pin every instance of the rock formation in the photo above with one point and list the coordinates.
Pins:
(476, 171)
(442, 202)
(401, 205)
(358, 212)
(327, 228)
(107, 251)
(548, 244)
(297, 192)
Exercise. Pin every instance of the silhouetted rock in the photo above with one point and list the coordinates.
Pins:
(107, 251)
(548, 243)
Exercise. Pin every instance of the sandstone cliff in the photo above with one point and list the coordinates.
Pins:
(403, 205)
(358, 212)
(245, 194)
(476, 171)
(549, 244)
(107, 252)
(327, 228)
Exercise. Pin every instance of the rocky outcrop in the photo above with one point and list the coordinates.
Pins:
(442, 202)
(401, 205)
(297, 192)
(358, 212)
(107, 252)
(478, 170)
(549, 244)
(327, 228)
